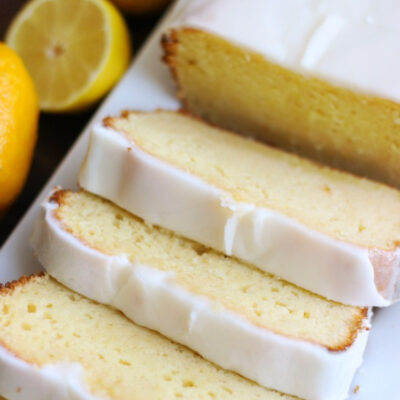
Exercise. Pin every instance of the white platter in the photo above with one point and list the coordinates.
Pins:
(147, 86)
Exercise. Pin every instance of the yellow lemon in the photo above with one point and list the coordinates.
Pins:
(75, 50)
(140, 6)
(19, 113)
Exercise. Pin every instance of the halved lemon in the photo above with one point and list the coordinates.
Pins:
(75, 50)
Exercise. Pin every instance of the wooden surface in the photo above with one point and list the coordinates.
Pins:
(56, 132)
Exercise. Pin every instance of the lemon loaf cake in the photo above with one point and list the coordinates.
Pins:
(239, 317)
(318, 77)
(55, 344)
(327, 231)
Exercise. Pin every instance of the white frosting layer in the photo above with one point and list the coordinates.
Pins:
(115, 168)
(354, 44)
(150, 297)
(20, 380)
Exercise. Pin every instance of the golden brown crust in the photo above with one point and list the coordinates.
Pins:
(107, 121)
(58, 196)
(358, 326)
(61, 198)
(9, 287)
(169, 43)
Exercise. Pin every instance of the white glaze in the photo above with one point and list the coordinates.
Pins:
(151, 298)
(115, 168)
(353, 44)
(20, 380)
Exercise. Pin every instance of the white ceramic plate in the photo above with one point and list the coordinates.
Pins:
(147, 86)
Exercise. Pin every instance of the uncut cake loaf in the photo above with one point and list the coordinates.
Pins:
(317, 77)
(57, 345)
(327, 231)
(237, 316)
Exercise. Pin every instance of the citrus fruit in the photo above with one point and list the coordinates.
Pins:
(19, 113)
(140, 6)
(75, 50)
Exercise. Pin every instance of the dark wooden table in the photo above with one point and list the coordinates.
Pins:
(56, 132)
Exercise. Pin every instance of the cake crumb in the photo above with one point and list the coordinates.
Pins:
(356, 389)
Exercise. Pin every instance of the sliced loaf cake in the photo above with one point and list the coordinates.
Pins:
(317, 77)
(237, 316)
(327, 231)
(57, 345)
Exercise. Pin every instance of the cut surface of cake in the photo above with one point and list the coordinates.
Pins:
(237, 316)
(316, 77)
(55, 344)
(330, 232)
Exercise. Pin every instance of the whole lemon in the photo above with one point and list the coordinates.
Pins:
(140, 6)
(19, 111)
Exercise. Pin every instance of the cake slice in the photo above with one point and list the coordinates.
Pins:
(324, 230)
(237, 316)
(316, 77)
(57, 345)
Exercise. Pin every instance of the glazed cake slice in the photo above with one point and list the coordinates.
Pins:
(55, 344)
(237, 316)
(330, 232)
(317, 77)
